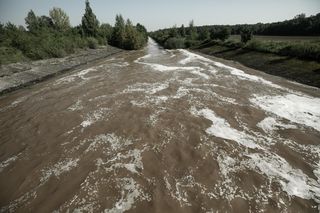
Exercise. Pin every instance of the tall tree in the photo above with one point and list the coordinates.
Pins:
(182, 31)
(118, 33)
(105, 31)
(60, 19)
(32, 21)
(204, 34)
(142, 30)
(90, 23)
(192, 31)
(173, 32)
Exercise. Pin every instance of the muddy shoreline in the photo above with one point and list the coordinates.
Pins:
(19, 75)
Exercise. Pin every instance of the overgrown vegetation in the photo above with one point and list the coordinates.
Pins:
(53, 36)
(192, 37)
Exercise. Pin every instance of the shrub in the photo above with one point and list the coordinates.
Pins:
(192, 43)
(175, 43)
(10, 55)
(246, 35)
(92, 43)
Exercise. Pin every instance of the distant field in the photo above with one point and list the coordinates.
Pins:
(280, 38)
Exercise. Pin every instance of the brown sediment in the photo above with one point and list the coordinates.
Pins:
(154, 135)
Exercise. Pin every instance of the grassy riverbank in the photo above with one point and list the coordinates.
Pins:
(265, 55)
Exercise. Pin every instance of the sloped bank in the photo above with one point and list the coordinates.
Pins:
(302, 71)
(18, 75)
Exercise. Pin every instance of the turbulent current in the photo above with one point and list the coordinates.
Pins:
(161, 131)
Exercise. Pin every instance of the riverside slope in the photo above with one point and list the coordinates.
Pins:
(161, 131)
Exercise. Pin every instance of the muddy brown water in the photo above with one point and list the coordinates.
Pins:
(161, 131)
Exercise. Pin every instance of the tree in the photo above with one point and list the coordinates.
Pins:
(224, 34)
(60, 19)
(90, 24)
(246, 35)
(173, 32)
(32, 21)
(45, 22)
(204, 34)
(182, 31)
(142, 30)
(118, 33)
(192, 32)
(105, 31)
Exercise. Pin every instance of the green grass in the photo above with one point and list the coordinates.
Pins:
(279, 38)
(303, 71)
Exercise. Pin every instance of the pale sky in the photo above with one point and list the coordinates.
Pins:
(155, 14)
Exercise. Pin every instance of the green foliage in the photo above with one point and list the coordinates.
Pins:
(11, 55)
(246, 35)
(142, 30)
(223, 34)
(175, 43)
(118, 33)
(90, 23)
(127, 36)
(92, 43)
(173, 32)
(53, 36)
(182, 31)
(304, 50)
(191, 43)
(192, 31)
(105, 31)
(32, 22)
(60, 19)
(204, 34)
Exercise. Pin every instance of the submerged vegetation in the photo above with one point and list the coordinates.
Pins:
(192, 37)
(53, 36)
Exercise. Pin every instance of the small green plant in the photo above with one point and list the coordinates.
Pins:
(92, 43)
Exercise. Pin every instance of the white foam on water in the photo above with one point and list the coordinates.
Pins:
(135, 161)
(149, 101)
(295, 108)
(270, 124)
(131, 193)
(121, 64)
(95, 116)
(70, 78)
(293, 181)
(190, 57)
(222, 129)
(76, 106)
(108, 140)
(7, 162)
(58, 169)
(203, 75)
(164, 68)
(148, 88)
(239, 73)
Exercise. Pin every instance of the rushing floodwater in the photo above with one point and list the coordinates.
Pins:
(161, 131)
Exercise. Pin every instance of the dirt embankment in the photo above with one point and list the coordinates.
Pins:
(17, 75)
(302, 71)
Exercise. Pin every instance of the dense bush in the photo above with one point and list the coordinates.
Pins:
(246, 35)
(92, 43)
(304, 50)
(175, 43)
(127, 36)
(53, 36)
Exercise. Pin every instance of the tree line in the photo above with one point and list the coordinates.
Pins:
(53, 35)
(189, 36)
